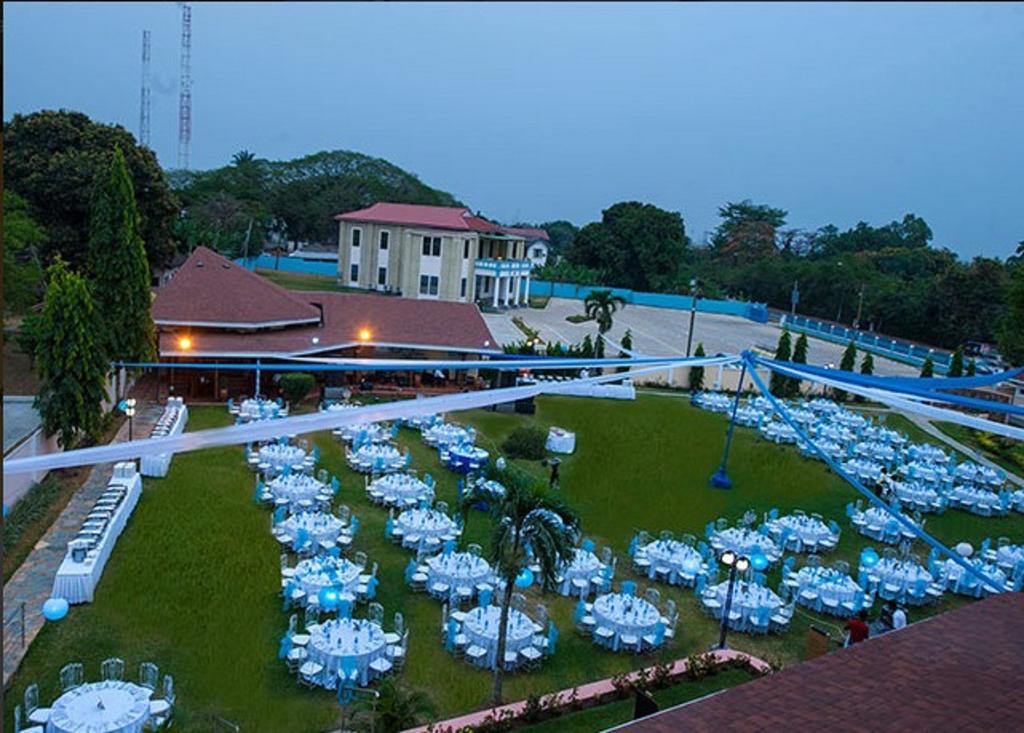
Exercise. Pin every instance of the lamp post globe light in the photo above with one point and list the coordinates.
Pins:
(693, 313)
(129, 410)
(737, 564)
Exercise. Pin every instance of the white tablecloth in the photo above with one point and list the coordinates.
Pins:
(828, 584)
(323, 571)
(583, 566)
(625, 615)
(320, 527)
(172, 422)
(459, 569)
(918, 496)
(252, 409)
(447, 434)
(400, 489)
(379, 456)
(806, 533)
(338, 638)
(296, 487)
(561, 440)
(675, 556)
(743, 540)
(481, 628)
(976, 501)
(279, 456)
(372, 432)
(624, 391)
(901, 576)
(874, 521)
(125, 709)
(958, 580)
(76, 581)
(1008, 556)
(420, 525)
(748, 599)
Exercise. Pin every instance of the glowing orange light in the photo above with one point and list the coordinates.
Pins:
(364, 334)
(185, 343)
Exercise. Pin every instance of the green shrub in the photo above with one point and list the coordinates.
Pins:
(526, 442)
(578, 318)
(296, 385)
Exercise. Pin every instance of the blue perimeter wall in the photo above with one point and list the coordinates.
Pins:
(753, 311)
(757, 312)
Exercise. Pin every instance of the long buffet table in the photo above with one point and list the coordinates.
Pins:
(76, 581)
(172, 422)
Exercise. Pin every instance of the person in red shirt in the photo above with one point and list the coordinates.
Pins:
(857, 628)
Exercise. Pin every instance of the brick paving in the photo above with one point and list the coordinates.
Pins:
(32, 582)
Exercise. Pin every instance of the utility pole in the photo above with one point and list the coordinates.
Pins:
(794, 297)
(860, 307)
(185, 93)
(144, 101)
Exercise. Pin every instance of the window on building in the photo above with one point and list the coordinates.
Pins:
(433, 284)
(431, 246)
(428, 284)
(538, 251)
(462, 289)
(354, 273)
(385, 239)
(357, 237)
(465, 249)
(382, 276)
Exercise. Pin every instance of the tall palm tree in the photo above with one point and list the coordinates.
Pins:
(399, 709)
(525, 515)
(601, 306)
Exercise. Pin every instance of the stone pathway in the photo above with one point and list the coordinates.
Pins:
(32, 582)
(974, 455)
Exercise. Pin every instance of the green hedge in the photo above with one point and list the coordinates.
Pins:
(526, 442)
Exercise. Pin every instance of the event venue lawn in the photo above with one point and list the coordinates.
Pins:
(193, 583)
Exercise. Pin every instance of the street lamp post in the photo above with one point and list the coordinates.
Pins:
(693, 314)
(735, 563)
(129, 410)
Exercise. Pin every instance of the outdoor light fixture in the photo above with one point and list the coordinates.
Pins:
(184, 343)
(316, 339)
(364, 334)
(736, 563)
(129, 410)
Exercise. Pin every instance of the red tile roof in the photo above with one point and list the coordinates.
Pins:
(959, 671)
(210, 289)
(456, 218)
(527, 232)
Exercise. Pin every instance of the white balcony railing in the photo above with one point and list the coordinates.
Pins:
(502, 268)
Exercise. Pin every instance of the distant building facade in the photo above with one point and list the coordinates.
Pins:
(433, 253)
(538, 244)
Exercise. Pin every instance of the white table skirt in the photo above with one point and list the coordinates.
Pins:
(125, 709)
(159, 465)
(314, 574)
(460, 569)
(583, 566)
(481, 628)
(401, 489)
(561, 440)
(296, 487)
(673, 555)
(747, 599)
(319, 527)
(625, 615)
(76, 581)
(360, 638)
(425, 524)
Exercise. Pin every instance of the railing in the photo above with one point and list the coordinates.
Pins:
(503, 267)
(891, 348)
(16, 616)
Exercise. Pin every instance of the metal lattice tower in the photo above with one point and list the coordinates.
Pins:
(144, 109)
(185, 96)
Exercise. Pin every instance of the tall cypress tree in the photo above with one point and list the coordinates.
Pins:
(972, 368)
(799, 357)
(627, 345)
(71, 358)
(783, 351)
(928, 368)
(956, 363)
(867, 365)
(118, 266)
(847, 363)
(697, 372)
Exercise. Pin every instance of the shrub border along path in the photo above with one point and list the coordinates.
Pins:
(592, 691)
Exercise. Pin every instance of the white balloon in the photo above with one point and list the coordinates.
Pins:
(964, 549)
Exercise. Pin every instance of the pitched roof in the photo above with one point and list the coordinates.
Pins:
(456, 218)
(528, 232)
(400, 322)
(211, 290)
(960, 670)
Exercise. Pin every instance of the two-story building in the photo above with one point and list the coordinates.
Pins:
(433, 253)
(538, 244)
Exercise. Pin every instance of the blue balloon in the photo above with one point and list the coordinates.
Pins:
(525, 578)
(758, 561)
(328, 597)
(868, 557)
(55, 609)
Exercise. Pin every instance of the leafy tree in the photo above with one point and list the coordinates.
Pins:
(560, 234)
(972, 368)
(526, 442)
(118, 267)
(601, 305)
(524, 516)
(564, 271)
(1011, 331)
(778, 385)
(400, 709)
(52, 158)
(72, 362)
(638, 245)
(296, 385)
(867, 364)
(956, 363)
(928, 368)
(696, 376)
(846, 363)
(627, 345)
(747, 231)
(23, 238)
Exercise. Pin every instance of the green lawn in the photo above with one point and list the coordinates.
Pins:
(193, 584)
(300, 281)
(972, 439)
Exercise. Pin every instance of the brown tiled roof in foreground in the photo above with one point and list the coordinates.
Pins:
(960, 671)
(211, 289)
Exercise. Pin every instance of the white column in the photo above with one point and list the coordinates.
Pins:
(508, 288)
(495, 282)
(515, 290)
(526, 290)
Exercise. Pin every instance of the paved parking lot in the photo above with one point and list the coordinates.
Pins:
(661, 332)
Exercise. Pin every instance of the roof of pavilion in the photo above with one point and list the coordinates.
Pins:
(961, 670)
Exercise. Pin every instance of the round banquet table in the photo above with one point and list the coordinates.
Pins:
(372, 432)
(625, 615)
(324, 571)
(400, 489)
(296, 487)
(958, 580)
(806, 533)
(376, 453)
(675, 556)
(976, 501)
(561, 440)
(829, 584)
(461, 456)
(279, 456)
(459, 569)
(481, 628)
(125, 709)
(742, 541)
(583, 566)
(747, 600)
(258, 410)
(320, 527)
(874, 521)
(446, 434)
(900, 575)
(420, 525)
(338, 638)
(1008, 556)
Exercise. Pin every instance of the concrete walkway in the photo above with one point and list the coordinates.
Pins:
(32, 582)
(589, 691)
(927, 426)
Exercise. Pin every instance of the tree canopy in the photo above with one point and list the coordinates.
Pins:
(53, 159)
(23, 239)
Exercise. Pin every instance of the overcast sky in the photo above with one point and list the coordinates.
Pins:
(833, 112)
